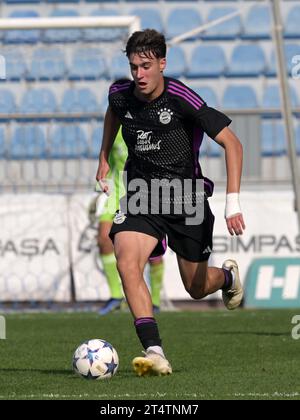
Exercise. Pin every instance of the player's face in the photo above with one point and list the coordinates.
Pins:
(147, 73)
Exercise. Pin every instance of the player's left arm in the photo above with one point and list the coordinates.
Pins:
(234, 162)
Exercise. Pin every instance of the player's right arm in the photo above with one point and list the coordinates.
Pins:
(111, 127)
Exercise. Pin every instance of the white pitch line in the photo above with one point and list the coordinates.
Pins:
(157, 395)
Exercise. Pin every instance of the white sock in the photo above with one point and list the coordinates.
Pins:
(156, 349)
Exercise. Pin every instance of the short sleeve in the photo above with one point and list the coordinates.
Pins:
(211, 120)
(194, 108)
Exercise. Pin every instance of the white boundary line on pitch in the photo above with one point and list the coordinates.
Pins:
(157, 395)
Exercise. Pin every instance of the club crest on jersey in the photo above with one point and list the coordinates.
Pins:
(119, 218)
(165, 115)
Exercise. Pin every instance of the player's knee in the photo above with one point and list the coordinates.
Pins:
(127, 266)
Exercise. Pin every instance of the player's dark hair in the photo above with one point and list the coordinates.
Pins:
(146, 42)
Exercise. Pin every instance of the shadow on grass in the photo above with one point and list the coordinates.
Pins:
(124, 373)
(32, 370)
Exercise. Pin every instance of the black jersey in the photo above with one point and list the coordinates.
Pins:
(164, 136)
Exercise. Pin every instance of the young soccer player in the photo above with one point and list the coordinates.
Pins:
(163, 122)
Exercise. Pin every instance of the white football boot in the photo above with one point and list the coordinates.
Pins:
(232, 297)
(151, 364)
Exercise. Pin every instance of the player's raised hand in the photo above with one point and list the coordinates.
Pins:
(101, 175)
(236, 224)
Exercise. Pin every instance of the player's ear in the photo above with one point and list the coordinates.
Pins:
(162, 64)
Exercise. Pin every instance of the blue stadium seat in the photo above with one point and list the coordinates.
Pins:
(210, 148)
(2, 143)
(96, 142)
(271, 97)
(247, 61)
(150, 18)
(15, 64)
(291, 50)
(18, 36)
(88, 64)
(273, 142)
(257, 24)
(79, 100)
(239, 97)
(47, 64)
(176, 64)
(68, 142)
(119, 67)
(103, 34)
(28, 142)
(7, 102)
(62, 35)
(292, 27)
(180, 21)
(38, 101)
(208, 95)
(207, 61)
(229, 29)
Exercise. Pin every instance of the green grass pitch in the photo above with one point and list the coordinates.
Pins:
(215, 354)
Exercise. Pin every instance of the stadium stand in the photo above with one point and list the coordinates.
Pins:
(271, 97)
(28, 142)
(96, 142)
(119, 66)
(291, 50)
(229, 65)
(150, 18)
(273, 141)
(292, 27)
(38, 101)
(257, 24)
(247, 60)
(7, 102)
(15, 64)
(176, 62)
(68, 142)
(228, 30)
(107, 34)
(47, 64)
(207, 61)
(22, 36)
(208, 94)
(239, 97)
(87, 64)
(79, 100)
(180, 21)
(62, 35)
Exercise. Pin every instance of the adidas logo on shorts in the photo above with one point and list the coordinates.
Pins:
(207, 250)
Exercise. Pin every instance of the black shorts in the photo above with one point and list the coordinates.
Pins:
(191, 242)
